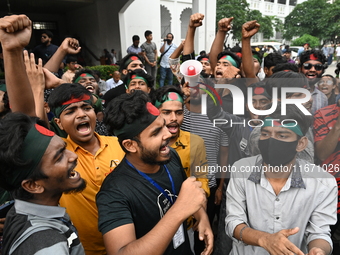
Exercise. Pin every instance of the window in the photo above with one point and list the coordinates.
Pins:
(44, 25)
(292, 2)
(281, 1)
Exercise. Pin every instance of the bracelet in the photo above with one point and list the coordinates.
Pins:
(241, 232)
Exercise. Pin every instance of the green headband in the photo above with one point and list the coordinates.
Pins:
(270, 122)
(258, 58)
(130, 130)
(35, 144)
(3, 87)
(134, 76)
(230, 59)
(129, 60)
(83, 75)
(170, 96)
(58, 110)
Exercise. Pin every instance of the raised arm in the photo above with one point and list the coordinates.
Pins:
(249, 29)
(195, 21)
(68, 46)
(224, 25)
(15, 34)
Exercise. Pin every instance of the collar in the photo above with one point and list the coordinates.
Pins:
(76, 146)
(296, 177)
(44, 211)
(183, 140)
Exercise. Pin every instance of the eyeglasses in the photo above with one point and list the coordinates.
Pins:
(326, 82)
(308, 66)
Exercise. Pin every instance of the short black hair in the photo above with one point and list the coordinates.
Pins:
(139, 72)
(159, 93)
(70, 59)
(64, 93)
(305, 56)
(48, 33)
(147, 33)
(81, 71)
(286, 67)
(135, 38)
(13, 130)
(272, 59)
(292, 113)
(285, 79)
(122, 62)
(231, 54)
(125, 109)
(202, 56)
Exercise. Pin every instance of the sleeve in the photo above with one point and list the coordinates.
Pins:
(199, 163)
(236, 204)
(189, 56)
(224, 139)
(324, 214)
(113, 208)
(320, 127)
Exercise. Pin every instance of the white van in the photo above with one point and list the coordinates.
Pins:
(274, 45)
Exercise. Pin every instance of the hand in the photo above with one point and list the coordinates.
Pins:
(15, 32)
(70, 46)
(34, 72)
(230, 73)
(191, 197)
(196, 20)
(316, 251)
(249, 29)
(278, 243)
(183, 42)
(186, 91)
(218, 196)
(51, 81)
(205, 234)
(224, 25)
(2, 223)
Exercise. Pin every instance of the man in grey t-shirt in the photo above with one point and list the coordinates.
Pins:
(149, 50)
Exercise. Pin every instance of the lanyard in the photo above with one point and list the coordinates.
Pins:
(148, 178)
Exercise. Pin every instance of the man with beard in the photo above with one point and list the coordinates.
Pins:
(276, 203)
(46, 49)
(143, 205)
(190, 147)
(37, 168)
(166, 49)
(312, 66)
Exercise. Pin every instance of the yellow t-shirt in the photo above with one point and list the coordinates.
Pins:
(82, 206)
(191, 150)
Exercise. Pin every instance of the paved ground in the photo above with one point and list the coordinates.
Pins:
(331, 68)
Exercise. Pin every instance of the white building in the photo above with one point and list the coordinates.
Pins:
(277, 8)
(100, 24)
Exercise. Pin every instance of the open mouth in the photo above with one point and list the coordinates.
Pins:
(90, 88)
(173, 128)
(73, 174)
(311, 75)
(219, 74)
(83, 127)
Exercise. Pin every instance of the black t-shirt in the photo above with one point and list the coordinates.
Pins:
(126, 197)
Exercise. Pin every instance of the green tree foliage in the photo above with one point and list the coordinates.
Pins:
(239, 9)
(312, 40)
(233, 8)
(310, 17)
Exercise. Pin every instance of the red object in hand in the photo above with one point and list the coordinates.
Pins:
(191, 70)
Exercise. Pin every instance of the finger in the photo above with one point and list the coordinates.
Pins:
(26, 59)
(39, 66)
(32, 60)
(289, 232)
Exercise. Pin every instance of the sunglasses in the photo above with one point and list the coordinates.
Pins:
(327, 82)
(308, 66)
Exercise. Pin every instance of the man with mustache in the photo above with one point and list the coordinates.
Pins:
(312, 66)
(37, 168)
(143, 205)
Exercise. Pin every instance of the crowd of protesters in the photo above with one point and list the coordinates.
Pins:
(242, 158)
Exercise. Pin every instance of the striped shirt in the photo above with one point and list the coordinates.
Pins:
(213, 137)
